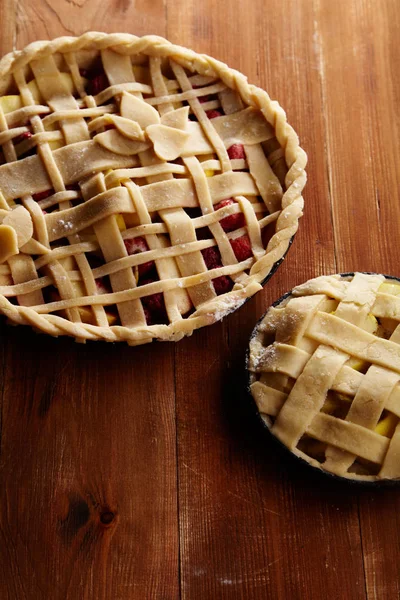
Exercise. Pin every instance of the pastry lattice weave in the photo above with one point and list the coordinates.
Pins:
(325, 370)
(146, 190)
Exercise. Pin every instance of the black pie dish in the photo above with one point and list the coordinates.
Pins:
(295, 460)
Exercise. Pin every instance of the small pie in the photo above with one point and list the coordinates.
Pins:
(145, 190)
(324, 367)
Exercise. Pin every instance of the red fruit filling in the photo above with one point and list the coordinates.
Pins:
(212, 114)
(97, 84)
(212, 258)
(102, 286)
(236, 151)
(222, 285)
(147, 316)
(231, 222)
(203, 99)
(137, 246)
(24, 136)
(242, 247)
(42, 195)
(203, 233)
(154, 306)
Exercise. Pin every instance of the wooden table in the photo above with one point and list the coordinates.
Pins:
(142, 473)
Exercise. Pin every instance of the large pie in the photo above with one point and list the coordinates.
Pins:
(145, 190)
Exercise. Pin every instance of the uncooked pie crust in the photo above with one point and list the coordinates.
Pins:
(325, 374)
(117, 152)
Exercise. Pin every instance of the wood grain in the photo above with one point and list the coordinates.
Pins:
(142, 473)
(242, 535)
(88, 432)
(361, 86)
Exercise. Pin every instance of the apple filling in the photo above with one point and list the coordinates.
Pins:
(325, 374)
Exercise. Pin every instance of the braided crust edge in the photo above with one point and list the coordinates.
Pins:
(286, 224)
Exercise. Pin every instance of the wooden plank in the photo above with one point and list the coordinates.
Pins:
(53, 18)
(250, 527)
(360, 91)
(361, 86)
(88, 431)
(8, 15)
(379, 513)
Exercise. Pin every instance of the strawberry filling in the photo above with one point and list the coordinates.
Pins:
(242, 247)
(222, 285)
(203, 99)
(24, 136)
(212, 114)
(231, 222)
(236, 151)
(97, 83)
(212, 258)
(154, 306)
(102, 286)
(138, 245)
(42, 195)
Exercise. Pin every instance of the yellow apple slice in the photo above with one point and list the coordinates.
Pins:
(111, 318)
(387, 426)
(390, 288)
(356, 363)
(120, 222)
(14, 102)
(10, 103)
(86, 315)
(329, 406)
(371, 324)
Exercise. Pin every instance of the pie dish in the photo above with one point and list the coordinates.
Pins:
(324, 366)
(145, 190)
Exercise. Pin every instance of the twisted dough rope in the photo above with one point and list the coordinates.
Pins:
(292, 201)
(54, 325)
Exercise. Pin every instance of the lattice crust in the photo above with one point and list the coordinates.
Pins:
(325, 372)
(145, 190)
